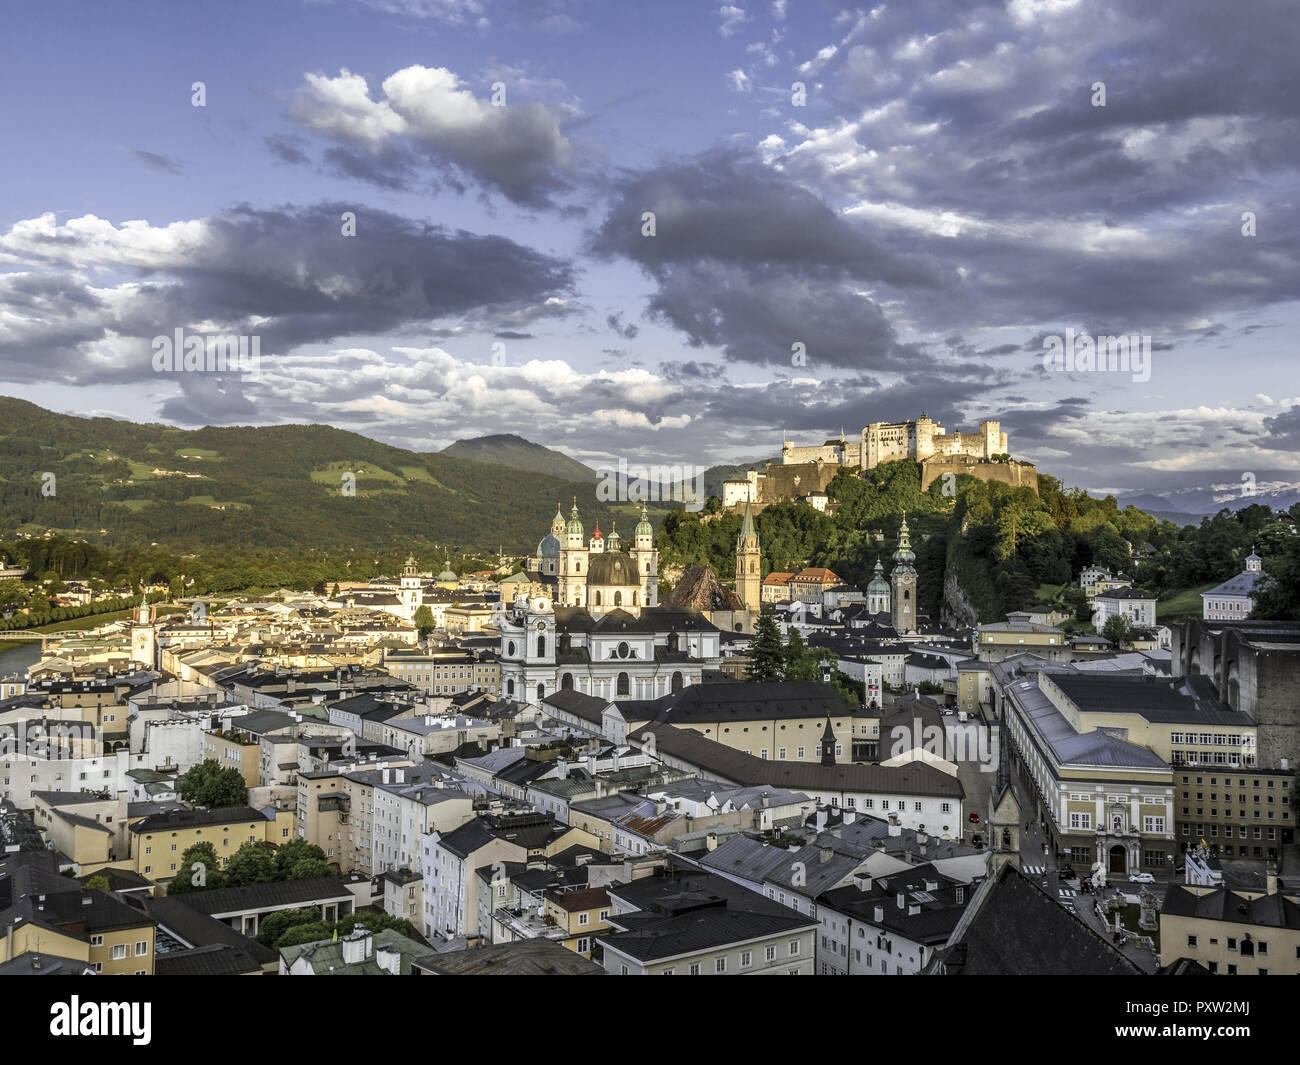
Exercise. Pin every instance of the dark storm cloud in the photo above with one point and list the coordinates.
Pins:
(287, 275)
(1282, 431)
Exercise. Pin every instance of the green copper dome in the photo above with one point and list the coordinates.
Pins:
(643, 527)
(575, 523)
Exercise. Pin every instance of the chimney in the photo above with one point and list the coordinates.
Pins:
(864, 881)
(895, 829)
(825, 854)
(902, 901)
(880, 914)
(1271, 880)
(385, 774)
(849, 816)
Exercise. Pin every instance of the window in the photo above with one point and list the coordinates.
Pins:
(141, 948)
(794, 947)
(1192, 941)
(583, 943)
(96, 941)
(746, 959)
(770, 953)
(720, 965)
(695, 968)
(119, 951)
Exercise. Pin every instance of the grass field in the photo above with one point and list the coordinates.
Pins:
(1047, 593)
(197, 453)
(1184, 603)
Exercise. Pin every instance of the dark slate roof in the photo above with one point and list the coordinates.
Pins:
(651, 937)
(196, 929)
(39, 963)
(310, 892)
(216, 959)
(1155, 698)
(746, 701)
(1221, 904)
(524, 957)
(578, 703)
(1013, 928)
(220, 815)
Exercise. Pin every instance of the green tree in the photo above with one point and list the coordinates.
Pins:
(253, 863)
(766, 655)
(1118, 630)
(207, 784)
(800, 662)
(199, 870)
(98, 883)
(275, 925)
(423, 621)
(1277, 596)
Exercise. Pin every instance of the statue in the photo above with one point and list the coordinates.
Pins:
(1147, 919)
(1099, 874)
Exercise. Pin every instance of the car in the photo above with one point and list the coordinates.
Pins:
(974, 818)
(1142, 878)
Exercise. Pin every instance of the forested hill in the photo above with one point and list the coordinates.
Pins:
(119, 483)
(1005, 547)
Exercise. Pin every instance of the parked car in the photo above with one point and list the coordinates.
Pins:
(1141, 878)
(974, 818)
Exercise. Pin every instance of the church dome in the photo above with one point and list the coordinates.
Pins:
(612, 569)
(447, 575)
(643, 527)
(878, 585)
(575, 522)
(549, 547)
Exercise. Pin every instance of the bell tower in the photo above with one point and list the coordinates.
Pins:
(902, 583)
(749, 565)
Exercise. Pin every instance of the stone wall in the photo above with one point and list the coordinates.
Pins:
(1018, 474)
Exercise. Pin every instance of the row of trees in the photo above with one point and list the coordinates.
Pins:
(255, 862)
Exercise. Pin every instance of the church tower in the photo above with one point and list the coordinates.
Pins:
(573, 561)
(645, 556)
(409, 591)
(144, 640)
(749, 567)
(903, 583)
(1004, 817)
(878, 592)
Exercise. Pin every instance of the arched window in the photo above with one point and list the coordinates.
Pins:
(906, 595)
(647, 566)
(541, 647)
(677, 682)
(752, 565)
(510, 687)
(672, 641)
(634, 602)
(566, 642)
(618, 598)
(598, 599)
(577, 567)
(566, 682)
(624, 685)
(541, 692)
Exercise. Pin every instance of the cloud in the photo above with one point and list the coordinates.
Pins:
(154, 161)
(428, 116)
(287, 275)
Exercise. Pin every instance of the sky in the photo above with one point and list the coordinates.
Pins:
(674, 233)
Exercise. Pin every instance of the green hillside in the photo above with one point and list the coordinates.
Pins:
(292, 486)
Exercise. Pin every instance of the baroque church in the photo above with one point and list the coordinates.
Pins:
(600, 573)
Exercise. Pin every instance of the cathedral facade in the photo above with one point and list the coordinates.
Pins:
(599, 573)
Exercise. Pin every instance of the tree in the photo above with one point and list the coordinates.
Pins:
(207, 784)
(423, 621)
(274, 925)
(800, 662)
(766, 655)
(300, 860)
(199, 870)
(1277, 596)
(253, 863)
(98, 883)
(1118, 630)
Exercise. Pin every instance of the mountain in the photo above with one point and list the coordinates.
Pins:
(520, 454)
(118, 483)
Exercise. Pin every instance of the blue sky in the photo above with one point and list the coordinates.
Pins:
(944, 197)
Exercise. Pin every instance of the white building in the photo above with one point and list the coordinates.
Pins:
(1232, 600)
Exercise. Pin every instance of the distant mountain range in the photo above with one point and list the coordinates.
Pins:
(1187, 506)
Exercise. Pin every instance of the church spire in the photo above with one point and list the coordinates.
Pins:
(828, 743)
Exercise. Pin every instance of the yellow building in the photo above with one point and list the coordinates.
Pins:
(57, 918)
(1232, 933)
(159, 840)
(581, 915)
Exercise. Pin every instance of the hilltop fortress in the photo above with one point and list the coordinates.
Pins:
(804, 471)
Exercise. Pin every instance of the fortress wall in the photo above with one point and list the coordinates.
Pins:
(1017, 474)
